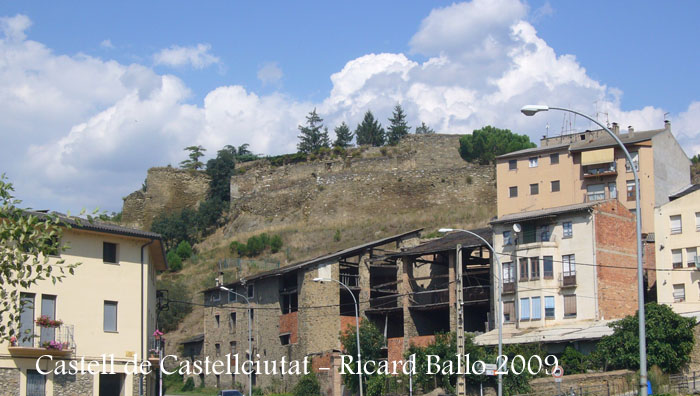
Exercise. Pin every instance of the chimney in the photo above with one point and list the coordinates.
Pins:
(667, 125)
(630, 130)
(616, 128)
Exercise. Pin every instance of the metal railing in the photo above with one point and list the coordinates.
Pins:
(350, 280)
(684, 383)
(57, 338)
(568, 279)
(615, 388)
(610, 169)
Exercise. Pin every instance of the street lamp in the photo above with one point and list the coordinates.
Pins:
(250, 337)
(357, 326)
(499, 313)
(531, 110)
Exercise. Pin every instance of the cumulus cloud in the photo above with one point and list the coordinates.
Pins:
(197, 56)
(270, 73)
(79, 131)
(107, 44)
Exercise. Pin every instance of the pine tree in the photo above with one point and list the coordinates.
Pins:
(424, 129)
(312, 135)
(370, 131)
(325, 138)
(398, 128)
(343, 136)
(196, 152)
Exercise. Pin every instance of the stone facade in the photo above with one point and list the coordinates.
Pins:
(166, 190)
(73, 385)
(9, 381)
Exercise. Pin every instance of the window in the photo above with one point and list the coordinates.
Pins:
(36, 383)
(549, 307)
(48, 309)
(691, 255)
(534, 268)
(251, 291)
(26, 320)
(544, 233)
(217, 349)
(216, 319)
(548, 267)
(679, 292)
(523, 269)
(216, 296)
(554, 158)
(529, 232)
(524, 309)
(568, 229)
(612, 188)
(534, 189)
(290, 302)
(569, 265)
(631, 190)
(232, 347)
(569, 306)
(508, 275)
(109, 252)
(110, 316)
(232, 322)
(232, 297)
(676, 225)
(285, 339)
(697, 221)
(507, 240)
(533, 162)
(635, 159)
(595, 192)
(677, 258)
(512, 164)
(555, 186)
(536, 308)
(513, 191)
(508, 311)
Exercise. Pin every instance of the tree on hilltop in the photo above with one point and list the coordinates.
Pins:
(193, 163)
(485, 144)
(370, 131)
(343, 136)
(313, 135)
(398, 127)
(423, 129)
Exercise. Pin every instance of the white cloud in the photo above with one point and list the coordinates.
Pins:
(270, 73)
(80, 131)
(177, 56)
(107, 44)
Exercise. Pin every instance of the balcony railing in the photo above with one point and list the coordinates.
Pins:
(156, 345)
(567, 280)
(55, 341)
(350, 280)
(508, 287)
(428, 297)
(600, 171)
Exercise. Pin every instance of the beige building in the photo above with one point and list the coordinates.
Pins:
(588, 167)
(567, 272)
(106, 308)
(677, 228)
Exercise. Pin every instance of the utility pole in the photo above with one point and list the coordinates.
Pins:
(461, 379)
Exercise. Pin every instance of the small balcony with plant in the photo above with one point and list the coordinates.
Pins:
(53, 338)
(156, 346)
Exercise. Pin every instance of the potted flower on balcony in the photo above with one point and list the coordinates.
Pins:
(13, 341)
(45, 321)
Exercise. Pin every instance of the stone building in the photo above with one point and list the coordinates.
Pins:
(108, 307)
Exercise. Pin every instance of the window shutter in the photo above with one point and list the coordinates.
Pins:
(570, 305)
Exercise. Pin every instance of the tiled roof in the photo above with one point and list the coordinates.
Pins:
(549, 212)
(685, 191)
(606, 140)
(448, 242)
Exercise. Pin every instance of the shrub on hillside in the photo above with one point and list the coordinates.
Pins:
(275, 243)
(255, 245)
(308, 386)
(485, 144)
(238, 248)
(189, 385)
(174, 261)
(184, 250)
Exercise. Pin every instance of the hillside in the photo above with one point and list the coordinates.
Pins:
(324, 205)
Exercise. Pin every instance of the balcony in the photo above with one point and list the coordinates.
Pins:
(54, 341)
(509, 287)
(567, 280)
(156, 346)
(350, 280)
(430, 298)
(600, 170)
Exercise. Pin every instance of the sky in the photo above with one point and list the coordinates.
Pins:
(92, 94)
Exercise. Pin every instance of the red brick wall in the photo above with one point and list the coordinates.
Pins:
(395, 346)
(289, 324)
(616, 246)
(421, 341)
(650, 263)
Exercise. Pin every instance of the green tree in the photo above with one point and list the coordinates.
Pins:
(255, 245)
(371, 343)
(398, 127)
(196, 152)
(275, 243)
(184, 250)
(313, 135)
(220, 170)
(27, 241)
(695, 159)
(176, 227)
(423, 129)
(174, 261)
(179, 306)
(209, 215)
(484, 144)
(308, 385)
(669, 340)
(370, 131)
(343, 136)
(241, 249)
(573, 361)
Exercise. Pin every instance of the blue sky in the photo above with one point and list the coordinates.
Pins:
(98, 92)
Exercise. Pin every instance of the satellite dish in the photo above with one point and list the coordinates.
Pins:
(517, 228)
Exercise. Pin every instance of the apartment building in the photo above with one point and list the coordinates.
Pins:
(588, 167)
(677, 228)
(106, 307)
(567, 271)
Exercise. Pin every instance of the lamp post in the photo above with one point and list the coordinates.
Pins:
(499, 313)
(357, 326)
(531, 110)
(250, 337)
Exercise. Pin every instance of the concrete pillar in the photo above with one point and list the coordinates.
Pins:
(364, 294)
